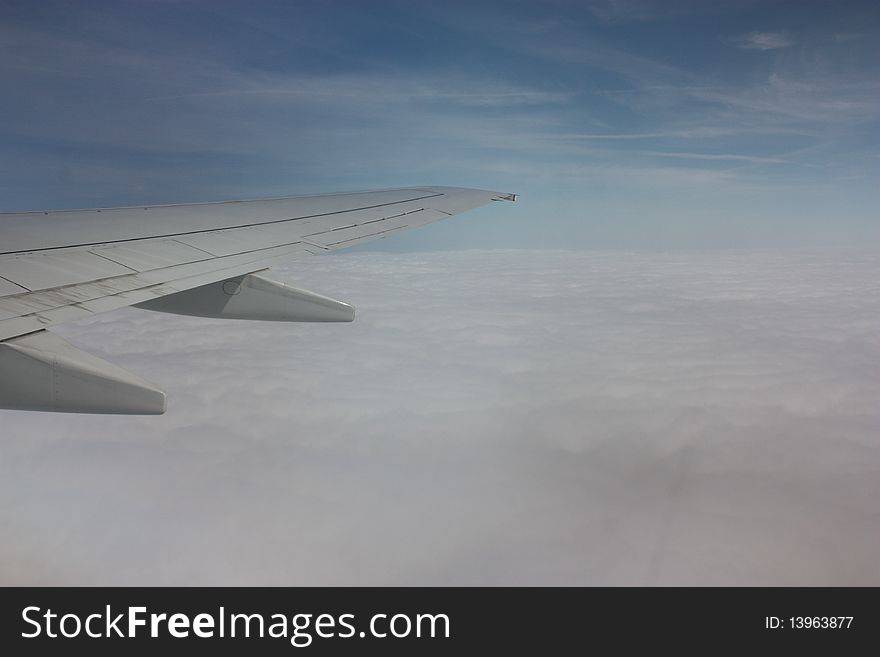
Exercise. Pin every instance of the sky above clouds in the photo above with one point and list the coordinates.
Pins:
(621, 123)
(659, 366)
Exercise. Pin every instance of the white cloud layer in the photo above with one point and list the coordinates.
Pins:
(507, 417)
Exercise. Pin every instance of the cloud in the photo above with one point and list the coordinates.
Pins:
(492, 417)
(764, 41)
(721, 157)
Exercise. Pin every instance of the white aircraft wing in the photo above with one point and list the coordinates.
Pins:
(200, 259)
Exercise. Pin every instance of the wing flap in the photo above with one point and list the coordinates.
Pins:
(33, 312)
(40, 271)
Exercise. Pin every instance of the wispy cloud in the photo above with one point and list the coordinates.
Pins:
(821, 99)
(377, 88)
(764, 40)
(696, 132)
(733, 157)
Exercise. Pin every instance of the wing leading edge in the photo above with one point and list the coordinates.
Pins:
(199, 259)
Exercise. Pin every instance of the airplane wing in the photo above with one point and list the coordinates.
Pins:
(204, 259)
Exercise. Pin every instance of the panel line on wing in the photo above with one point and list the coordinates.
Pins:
(22, 288)
(101, 255)
(360, 237)
(193, 246)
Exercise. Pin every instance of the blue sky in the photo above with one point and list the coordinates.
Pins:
(622, 124)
